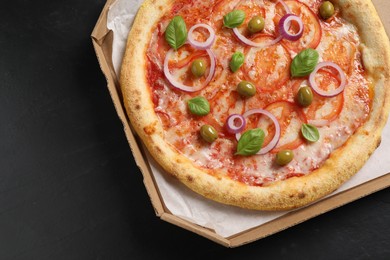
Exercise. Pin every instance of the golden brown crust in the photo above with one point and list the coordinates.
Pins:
(291, 193)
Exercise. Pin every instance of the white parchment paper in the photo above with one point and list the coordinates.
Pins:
(225, 220)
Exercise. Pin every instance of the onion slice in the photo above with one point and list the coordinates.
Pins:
(261, 44)
(330, 93)
(235, 123)
(284, 25)
(181, 86)
(255, 44)
(274, 140)
(201, 45)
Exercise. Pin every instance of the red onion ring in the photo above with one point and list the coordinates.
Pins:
(274, 140)
(284, 25)
(322, 92)
(261, 44)
(232, 127)
(255, 44)
(201, 45)
(183, 87)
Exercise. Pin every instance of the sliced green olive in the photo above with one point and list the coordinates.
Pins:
(326, 10)
(284, 157)
(198, 67)
(208, 133)
(246, 89)
(305, 96)
(256, 24)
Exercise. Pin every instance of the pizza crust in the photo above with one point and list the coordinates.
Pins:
(293, 192)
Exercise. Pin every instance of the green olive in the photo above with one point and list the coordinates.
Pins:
(198, 67)
(208, 133)
(326, 10)
(256, 24)
(284, 157)
(246, 89)
(305, 96)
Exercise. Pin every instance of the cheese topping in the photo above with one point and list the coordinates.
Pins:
(269, 70)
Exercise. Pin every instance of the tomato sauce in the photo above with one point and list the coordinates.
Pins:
(269, 69)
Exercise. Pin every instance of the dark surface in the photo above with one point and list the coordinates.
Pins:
(69, 187)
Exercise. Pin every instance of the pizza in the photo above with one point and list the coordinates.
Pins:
(260, 104)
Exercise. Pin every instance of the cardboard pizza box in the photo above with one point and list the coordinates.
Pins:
(102, 39)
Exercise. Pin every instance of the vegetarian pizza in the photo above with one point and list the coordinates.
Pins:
(261, 104)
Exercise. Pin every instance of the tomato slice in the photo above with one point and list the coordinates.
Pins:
(290, 118)
(251, 9)
(324, 109)
(339, 51)
(312, 31)
(180, 67)
(223, 104)
(268, 68)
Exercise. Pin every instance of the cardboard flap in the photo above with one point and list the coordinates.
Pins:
(100, 31)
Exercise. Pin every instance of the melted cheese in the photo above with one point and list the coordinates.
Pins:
(182, 130)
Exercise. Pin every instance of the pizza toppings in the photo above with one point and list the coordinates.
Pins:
(208, 133)
(310, 133)
(250, 142)
(234, 19)
(276, 137)
(329, 93)
(237, 60)
(182, 86)
(235, 123)
(326, 10)
(246, 89)
(199, 106)
(305, 96)
(176, 32)
(304, 63)
(256, 24)
(259, 84)
(284, 157)
(198, 67)
(285, 24)
(201, 45)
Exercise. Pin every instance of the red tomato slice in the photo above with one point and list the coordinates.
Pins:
(312, 29)
(323, 108)
(222, 105)
(189, 54)
(251, 9)
(341, 52)
(290, 118)
(268, 68)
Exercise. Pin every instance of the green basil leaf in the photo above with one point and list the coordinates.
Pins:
(234, 19)
(310, 132)
(237, 60)
(199, 106)
(304, 63)
(250, 142)
(176, 32)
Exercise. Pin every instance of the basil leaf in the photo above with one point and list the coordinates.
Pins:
(234, 19)
(250, 142)
(199, 106)
(176, 32)
(237, 60)
(310, 133)
(304, 63)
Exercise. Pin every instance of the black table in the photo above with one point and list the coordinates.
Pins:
(69, 187)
